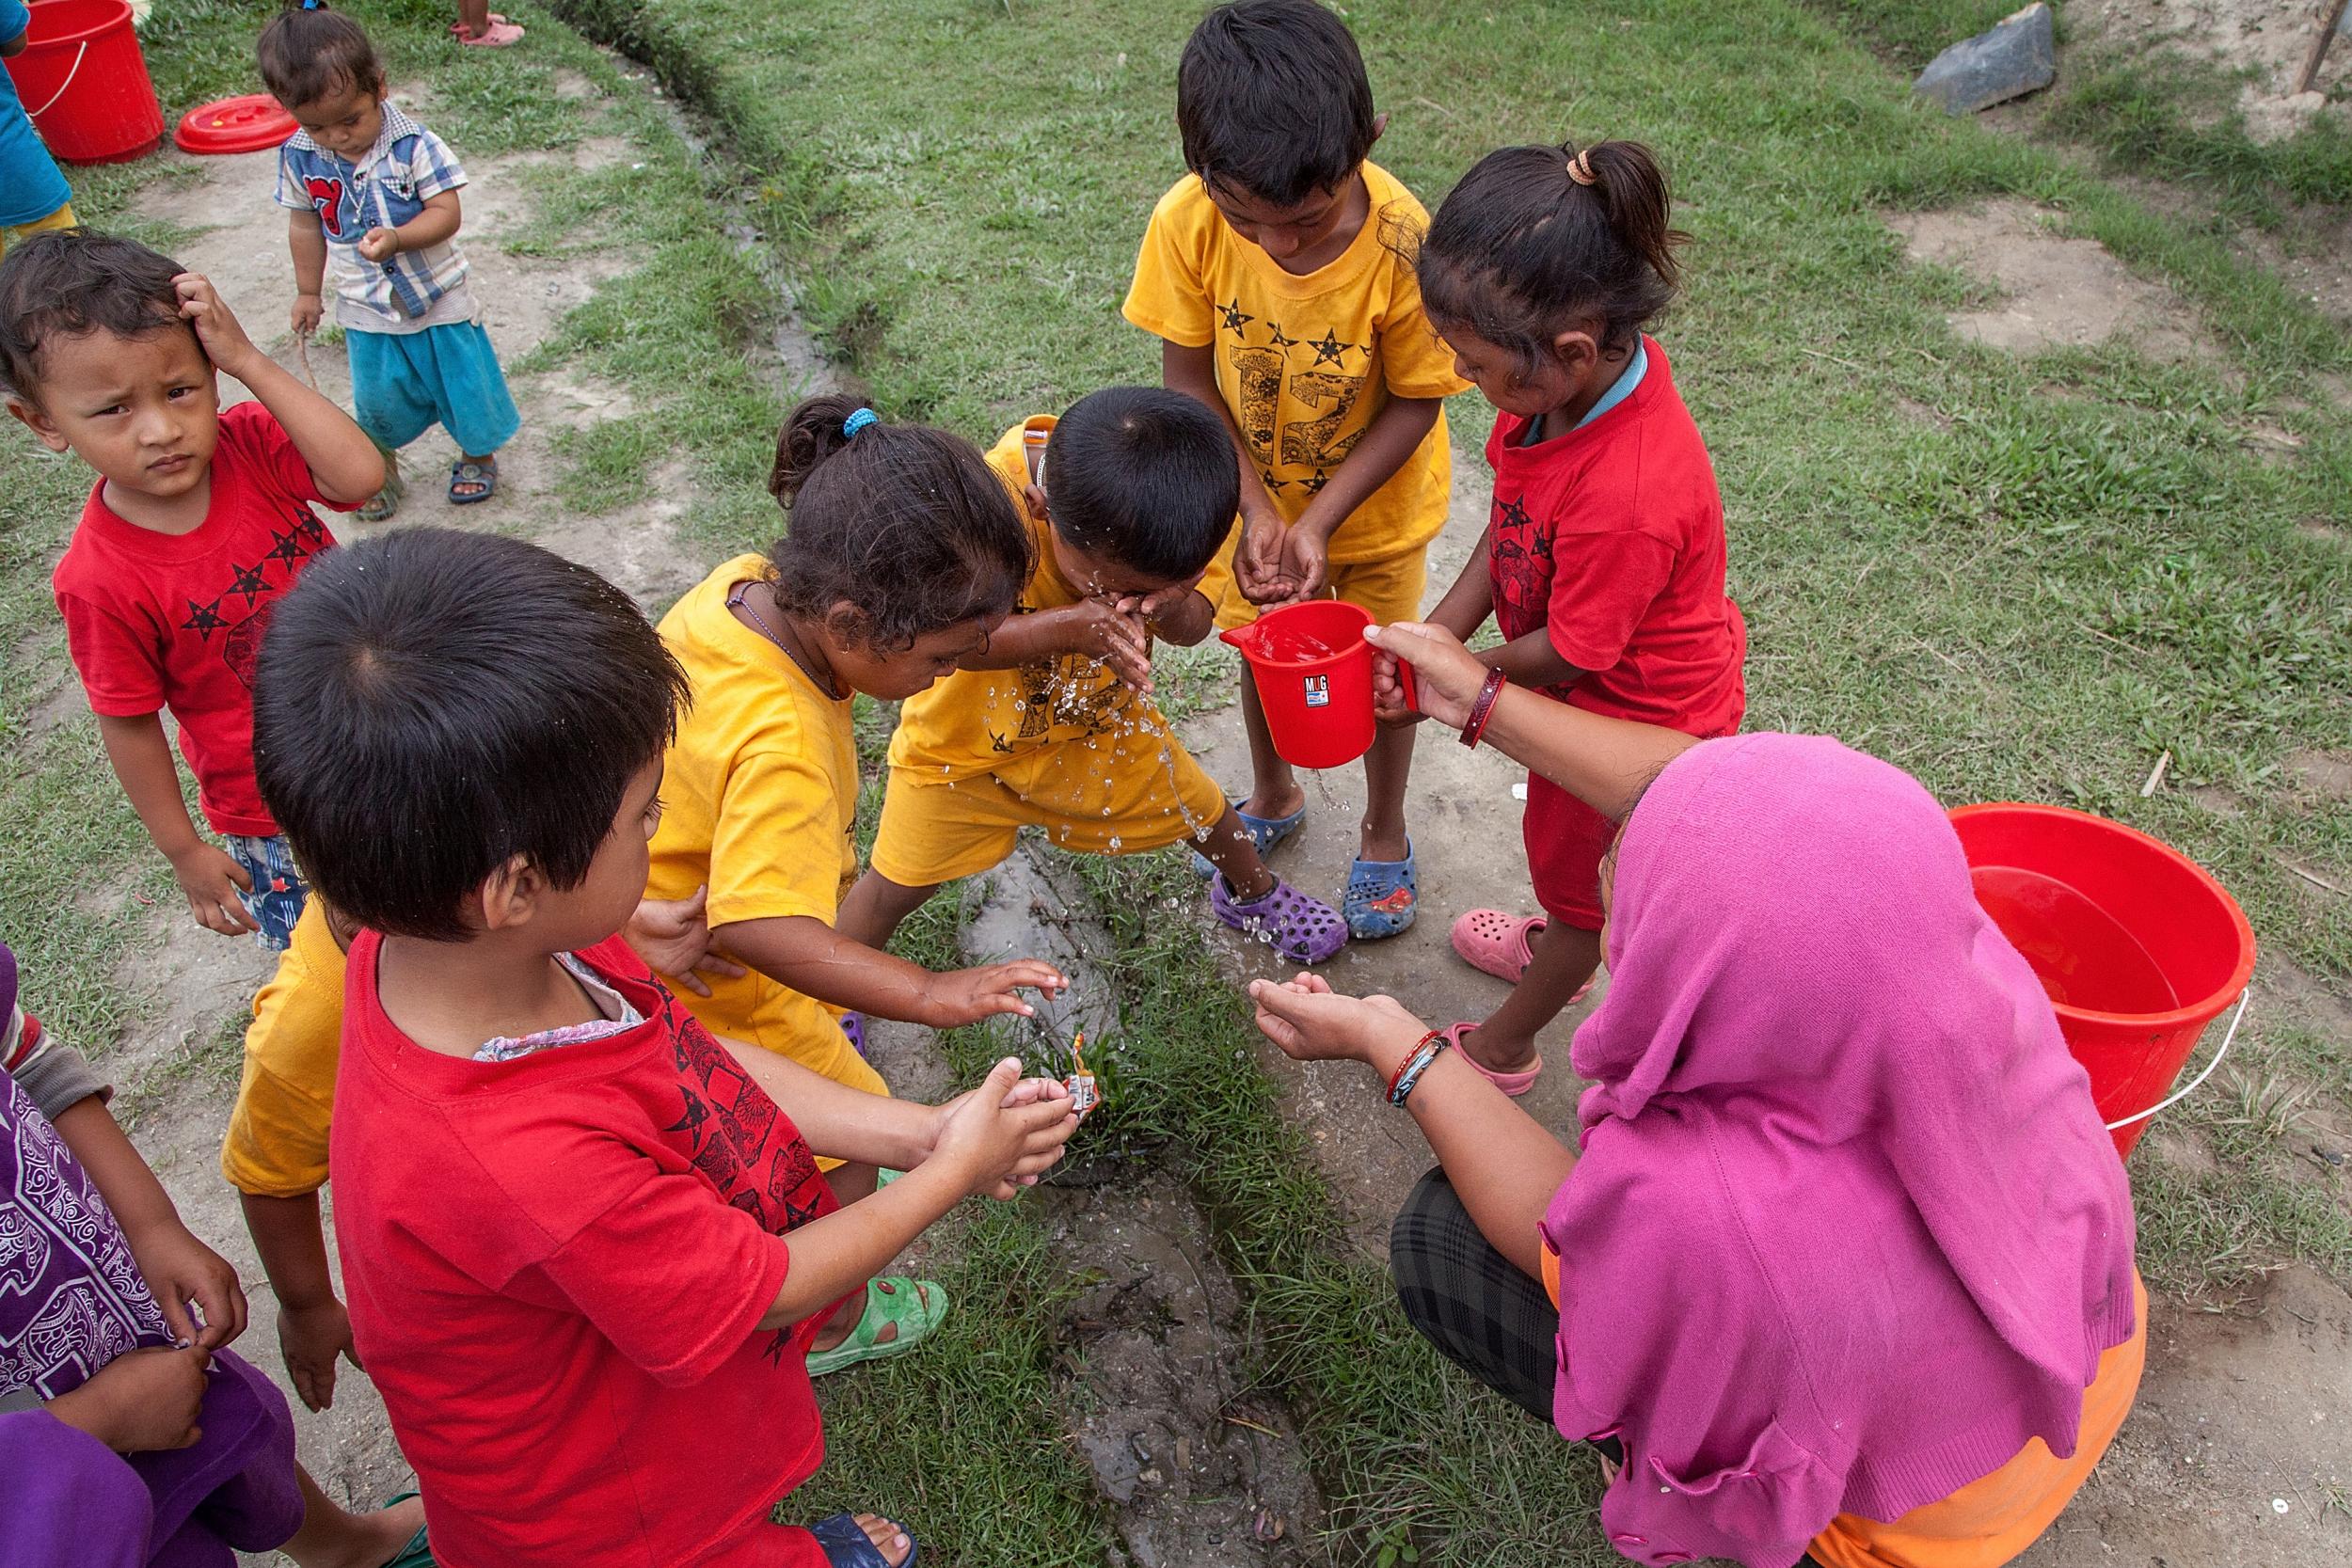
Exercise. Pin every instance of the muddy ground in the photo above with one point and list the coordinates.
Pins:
(2238, 1453)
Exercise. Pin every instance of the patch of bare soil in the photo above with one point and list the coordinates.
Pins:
(2057, 291)
(2268, 38)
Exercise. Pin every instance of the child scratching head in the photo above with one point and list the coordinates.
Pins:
(1140, 487)
(446, 720)
(903, 551)
(321, 66)
(1544, 264)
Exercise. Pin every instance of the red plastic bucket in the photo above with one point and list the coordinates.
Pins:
(1313, 670)
(85, 84)
(2137, 946)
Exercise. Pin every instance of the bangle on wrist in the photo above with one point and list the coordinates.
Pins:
(1482, 709)
(1432, 1046)
(1406, 1061)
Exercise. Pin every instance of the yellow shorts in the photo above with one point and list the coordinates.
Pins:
(934, 831)
(62, 218)
(1390, 588)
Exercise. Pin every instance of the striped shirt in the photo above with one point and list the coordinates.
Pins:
(385, 188)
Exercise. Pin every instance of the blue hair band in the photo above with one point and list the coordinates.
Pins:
(310, 5)
(859, 420)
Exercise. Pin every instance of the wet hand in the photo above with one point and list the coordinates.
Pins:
(1044, 1146)
(380, 244)
(1312, 1022)
(182, 1272)
(992, 1141)
(1118, 637)
(311, 1339)
(1258, 569)
(963, 996)
(1304, 560)
(142, 1402)
(211, 881)
(673, 936)
(216, 326)
(1446, 675)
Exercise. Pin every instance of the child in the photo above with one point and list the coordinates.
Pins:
(562, 1206)
(1603, 562)
(199, 521)
(131, 1434)
(1265, 272)
(1051, 723)
(33, 195)
(275, 1149)
(372, 196)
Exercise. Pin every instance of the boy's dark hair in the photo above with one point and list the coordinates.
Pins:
(1523, 244)
(1272, 101)
(65, 283)
(904, 522)
(1144, 476)
(305, 53)
(431, 703)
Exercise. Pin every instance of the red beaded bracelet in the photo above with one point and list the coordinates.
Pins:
(1483, 709)
(1419, 1046)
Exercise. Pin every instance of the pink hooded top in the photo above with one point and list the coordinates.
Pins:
(1846, 1231)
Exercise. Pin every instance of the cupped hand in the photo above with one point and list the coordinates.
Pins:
(961, 996)
(379, 243)
(1312, 1022)
(182, 1272)
(1258, 570)
(1116, 636)
(216, 326)
(673, 936)
(990, 1143)
(1304, 560)
(311, 1339)
(211, 880)
(1446, 675)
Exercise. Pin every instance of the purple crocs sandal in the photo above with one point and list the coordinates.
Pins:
(1304, 930)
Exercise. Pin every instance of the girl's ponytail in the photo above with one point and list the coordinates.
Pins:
(1534, 237)
(905, 524)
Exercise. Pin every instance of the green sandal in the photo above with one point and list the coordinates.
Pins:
(419, 1552)
(917, 1305)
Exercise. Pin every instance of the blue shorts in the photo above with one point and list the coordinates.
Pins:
(405, 382)
(279, 890)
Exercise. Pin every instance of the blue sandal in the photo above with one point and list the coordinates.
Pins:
(1382, 897)
(847, 1544)
(1264, 833)
(853, 1026)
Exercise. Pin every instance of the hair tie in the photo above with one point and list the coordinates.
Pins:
(1580, 168)
(310, 5)
(857, 421)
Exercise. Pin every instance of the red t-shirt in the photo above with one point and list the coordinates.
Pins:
(161, 620)
(1611, 537)
(556, 1267)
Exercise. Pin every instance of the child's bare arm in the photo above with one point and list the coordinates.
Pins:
(1180, 616)
(1110, 633)
(985, 1139)
(345, 464)
(141, 758)
(844, 1123)
(813, 958)
(1395, 434)
(306, 239)
(438, 222)
(313, 1327)
(179, 1269)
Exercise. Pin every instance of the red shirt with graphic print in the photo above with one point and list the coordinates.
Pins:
(556, 1266)
(160, 620)
(1610, 537)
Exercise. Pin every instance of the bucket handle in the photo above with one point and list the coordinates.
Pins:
(2244, 997)
(71, 71)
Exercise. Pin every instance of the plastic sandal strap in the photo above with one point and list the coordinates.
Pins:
(846, 1544)
(1511, 1084)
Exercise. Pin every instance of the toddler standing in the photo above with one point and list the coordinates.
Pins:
(1604, 558)
(372, 200)
(199, 521)
(1268, 273)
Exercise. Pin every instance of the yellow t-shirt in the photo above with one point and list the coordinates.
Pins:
(982, 720)
(759, 795)
(275, 1145)
(1306, 363)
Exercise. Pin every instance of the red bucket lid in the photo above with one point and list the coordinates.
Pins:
(243, 124)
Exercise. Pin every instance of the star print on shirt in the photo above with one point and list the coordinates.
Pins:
(313, 532)
(1235, 317)
(204, 619)
(1314, 486)
(252, 581)
(1275, 486)
(1514, 515)
(1329, 349)
(1281, 339)
(288, 548)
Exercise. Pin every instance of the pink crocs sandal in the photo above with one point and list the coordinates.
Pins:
(1496, 943)
(1511, 1084)
(1304, 930)
(498, 35)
